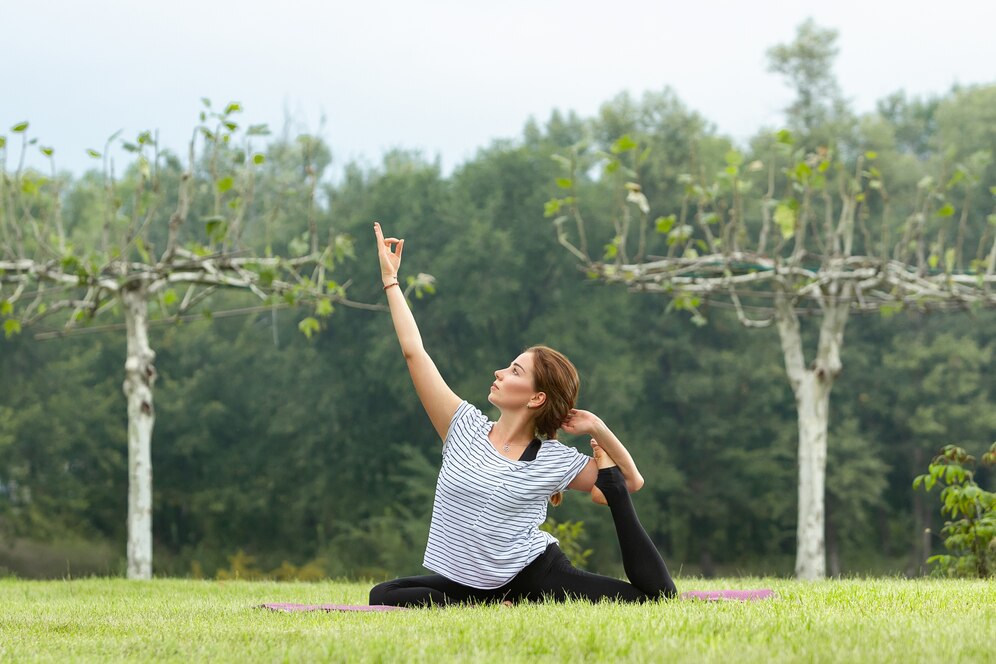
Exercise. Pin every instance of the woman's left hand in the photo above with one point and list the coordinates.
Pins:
(581, 422)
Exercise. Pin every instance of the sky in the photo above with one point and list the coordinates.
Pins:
(447, 77)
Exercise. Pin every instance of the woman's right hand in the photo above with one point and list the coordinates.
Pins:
(390, 256)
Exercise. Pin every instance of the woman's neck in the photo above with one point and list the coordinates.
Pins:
(513, 428)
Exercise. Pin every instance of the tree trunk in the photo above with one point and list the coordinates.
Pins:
(812, 402)
(140, 374)
(812, 387)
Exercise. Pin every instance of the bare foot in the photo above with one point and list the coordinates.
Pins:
(602, 458)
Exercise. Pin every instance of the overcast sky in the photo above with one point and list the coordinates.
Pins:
(447, 77)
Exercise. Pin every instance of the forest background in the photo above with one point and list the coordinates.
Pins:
(312, 457)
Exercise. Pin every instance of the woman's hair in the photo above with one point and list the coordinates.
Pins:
(555, 376)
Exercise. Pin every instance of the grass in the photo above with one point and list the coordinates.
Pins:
(859, 620)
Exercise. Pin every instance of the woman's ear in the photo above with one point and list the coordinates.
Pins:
(538, 400)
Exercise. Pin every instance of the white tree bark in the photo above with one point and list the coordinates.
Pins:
(812, 387)
(140, 374)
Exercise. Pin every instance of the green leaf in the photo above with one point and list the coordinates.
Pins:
(3, 141)
(298, 246)
(612, 166)
(552, 207)
(785, 218)
(6, 307)
(784, 137)
(93, 153)
(309, 326)
(225, 183)
(933, 260)
(232, 126)
(11, 326)
(949, 259)
(142, 250)
(612, 250)
(19, 127)
(871, 155)
(258, 130)
(233, 107)
(665, 224)
(324, 308)
(734, 158)
(991, 219)
(622, 144)
(46, 151)
(169, 297)
(258, 158)
(216, 227)
(946, 210)
(565, 183)
(266, 277)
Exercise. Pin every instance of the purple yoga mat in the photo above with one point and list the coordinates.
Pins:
(729, 595)
(708, 595)
(288, 607)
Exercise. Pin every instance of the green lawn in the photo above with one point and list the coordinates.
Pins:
(877, 620)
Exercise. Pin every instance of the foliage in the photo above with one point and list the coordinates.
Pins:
(242, 566)
(319, 450)
(972, 537)
(570, 535)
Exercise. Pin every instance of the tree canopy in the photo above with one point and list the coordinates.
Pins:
(317, 450)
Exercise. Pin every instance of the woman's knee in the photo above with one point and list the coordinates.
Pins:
(381, 593)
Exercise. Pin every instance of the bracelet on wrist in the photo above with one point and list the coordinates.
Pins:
(393, 283)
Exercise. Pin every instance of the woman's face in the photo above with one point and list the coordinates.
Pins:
(514, 386)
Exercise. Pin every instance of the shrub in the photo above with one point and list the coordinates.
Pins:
(971, 534)
(570, 535)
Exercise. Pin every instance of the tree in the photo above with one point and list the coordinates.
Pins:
(804, 227)
(141, 261)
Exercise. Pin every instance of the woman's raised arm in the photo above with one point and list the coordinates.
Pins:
(437, 398)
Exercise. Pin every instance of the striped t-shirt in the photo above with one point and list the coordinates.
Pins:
(488, 509)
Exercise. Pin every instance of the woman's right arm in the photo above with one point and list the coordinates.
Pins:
(437, 398)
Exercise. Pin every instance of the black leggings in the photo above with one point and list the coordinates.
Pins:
(551, 575)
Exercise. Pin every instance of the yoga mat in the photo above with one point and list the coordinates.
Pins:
(729, 595)
(288, 607)
(707, 595)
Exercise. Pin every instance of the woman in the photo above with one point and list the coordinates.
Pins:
(484, 540)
